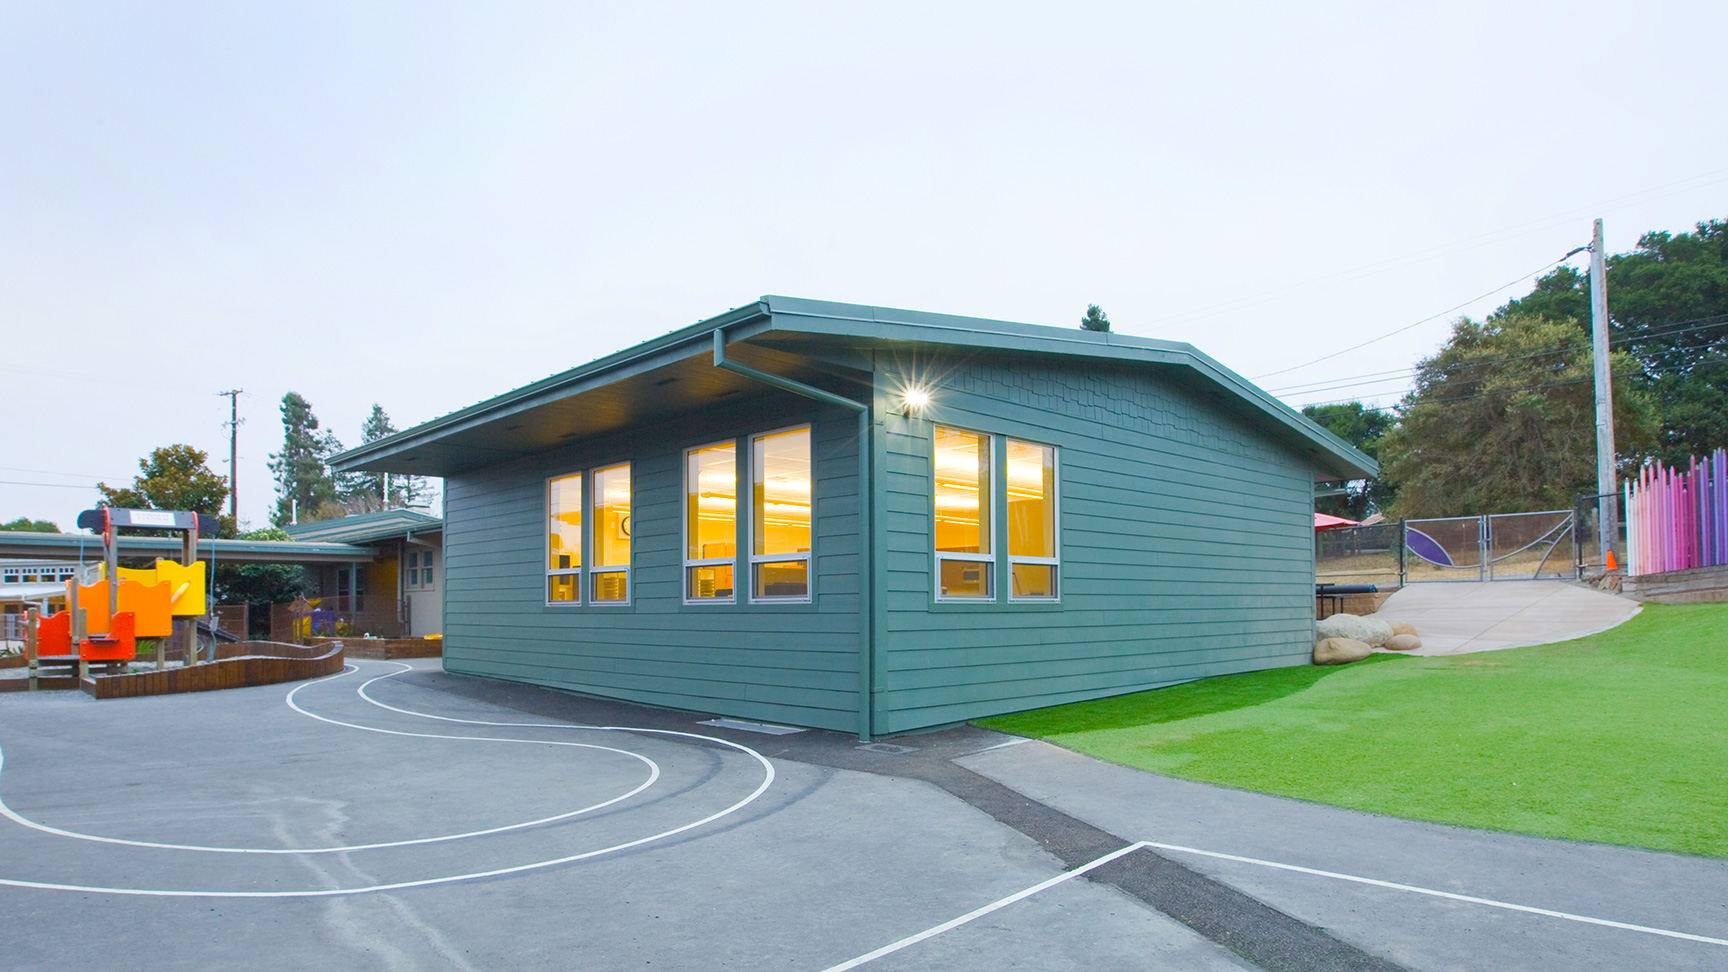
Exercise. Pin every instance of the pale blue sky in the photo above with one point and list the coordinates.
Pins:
(427, 204)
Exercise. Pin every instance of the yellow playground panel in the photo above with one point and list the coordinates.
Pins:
(185, 584)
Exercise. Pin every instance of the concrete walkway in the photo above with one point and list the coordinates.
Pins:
(1455, 619)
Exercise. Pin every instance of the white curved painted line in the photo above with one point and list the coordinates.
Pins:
(767, 781)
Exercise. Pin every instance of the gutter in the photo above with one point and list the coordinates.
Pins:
(866, 499)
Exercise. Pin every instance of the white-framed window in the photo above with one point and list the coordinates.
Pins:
(711, 524)
(411, 569)
(962, 507)
(588, 512)
(609, 575)
(1033, 545)
(781, 488)
(564, 505)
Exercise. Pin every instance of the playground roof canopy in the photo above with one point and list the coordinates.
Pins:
(674, 374)
(88, 547)
(366, 527)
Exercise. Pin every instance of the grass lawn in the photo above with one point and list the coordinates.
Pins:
(1621, 737)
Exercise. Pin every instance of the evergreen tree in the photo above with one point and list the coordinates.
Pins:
(364, 492)
(1362, 428)
(26, 525)
(1095, 319)
(302, 478)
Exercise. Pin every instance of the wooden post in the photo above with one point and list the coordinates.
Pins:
(30, 645)
(188, 556)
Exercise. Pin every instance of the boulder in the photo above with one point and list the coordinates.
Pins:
(1370, 631)
(1402, 642)
(1404, 628)
(1340, 651)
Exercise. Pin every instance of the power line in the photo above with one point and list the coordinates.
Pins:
(1401, 330)
(14, 482)
(1347, 382)
(1444, 249)
(1503, 391)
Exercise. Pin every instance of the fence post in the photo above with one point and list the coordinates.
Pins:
(1484, 548)
(1403, 552)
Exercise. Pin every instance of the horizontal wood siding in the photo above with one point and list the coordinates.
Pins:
(794, 663)
(1186, 540)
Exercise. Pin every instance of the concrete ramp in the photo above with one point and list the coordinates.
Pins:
(1455, 618)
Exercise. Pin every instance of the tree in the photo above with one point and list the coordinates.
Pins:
(1362, 428)
(1668, 308)
(27, 525)
(259, 585)
(364, 492)
(303, 481)
(1095, 319)
(1502, 420)
(172, 478)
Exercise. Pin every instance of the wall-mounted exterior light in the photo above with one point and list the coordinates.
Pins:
(916, 399)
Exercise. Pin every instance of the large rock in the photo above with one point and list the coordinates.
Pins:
(1404, 628)
(1340, 651)
(1370, 631)
(1402, 642)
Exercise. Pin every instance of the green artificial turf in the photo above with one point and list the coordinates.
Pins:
(1621, 737)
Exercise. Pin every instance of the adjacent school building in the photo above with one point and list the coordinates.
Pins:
(875, 520)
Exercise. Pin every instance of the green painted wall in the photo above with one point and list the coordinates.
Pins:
(1186, 538)
(795, 663)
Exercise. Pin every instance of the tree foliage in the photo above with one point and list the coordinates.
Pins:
(1095, 319)
(259, 585)
(26, 525)
(1363, 428)
(364, 492)
(1502, 420)
(302, 478)
(172, 478)
(1668, 309)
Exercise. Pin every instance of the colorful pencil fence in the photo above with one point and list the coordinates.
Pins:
(1676, 520)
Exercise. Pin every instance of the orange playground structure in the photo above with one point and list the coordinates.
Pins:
(109, 609)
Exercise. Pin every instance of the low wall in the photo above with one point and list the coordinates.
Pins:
(385, 649)
(238, 665)
(1695, 586)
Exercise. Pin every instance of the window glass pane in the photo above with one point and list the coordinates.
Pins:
(612, 517)
(413, 560)
(780, 466)
(965, 578)
(561, 587)
(711, 503)
(611, 585)
(962, 475)
(789, 579)
(564, 522)
(426, 576)
(714, 580)
(1031, 491)
(1033, 580)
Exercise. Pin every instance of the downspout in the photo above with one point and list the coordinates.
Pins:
(866, 489)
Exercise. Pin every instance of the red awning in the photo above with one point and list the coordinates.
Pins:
(1324, 521)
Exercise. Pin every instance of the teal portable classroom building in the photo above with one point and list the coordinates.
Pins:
(875, 520)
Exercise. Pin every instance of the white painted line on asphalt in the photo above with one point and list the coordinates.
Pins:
(1413, 889)
(767, 780)
(981, 912)
(1004, 745)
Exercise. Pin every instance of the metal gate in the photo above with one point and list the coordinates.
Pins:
(1501, 546)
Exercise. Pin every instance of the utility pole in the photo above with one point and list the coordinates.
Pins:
(1606, 515)
(234, 452)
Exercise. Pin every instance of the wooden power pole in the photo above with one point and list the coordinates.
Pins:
(234, 452)
(1606, 519)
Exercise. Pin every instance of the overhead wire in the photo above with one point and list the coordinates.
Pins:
(1354, 347)
(1375, 377)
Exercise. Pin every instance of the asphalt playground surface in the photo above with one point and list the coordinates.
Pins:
(439, 822)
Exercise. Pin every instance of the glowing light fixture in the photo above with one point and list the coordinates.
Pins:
(916, 399)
